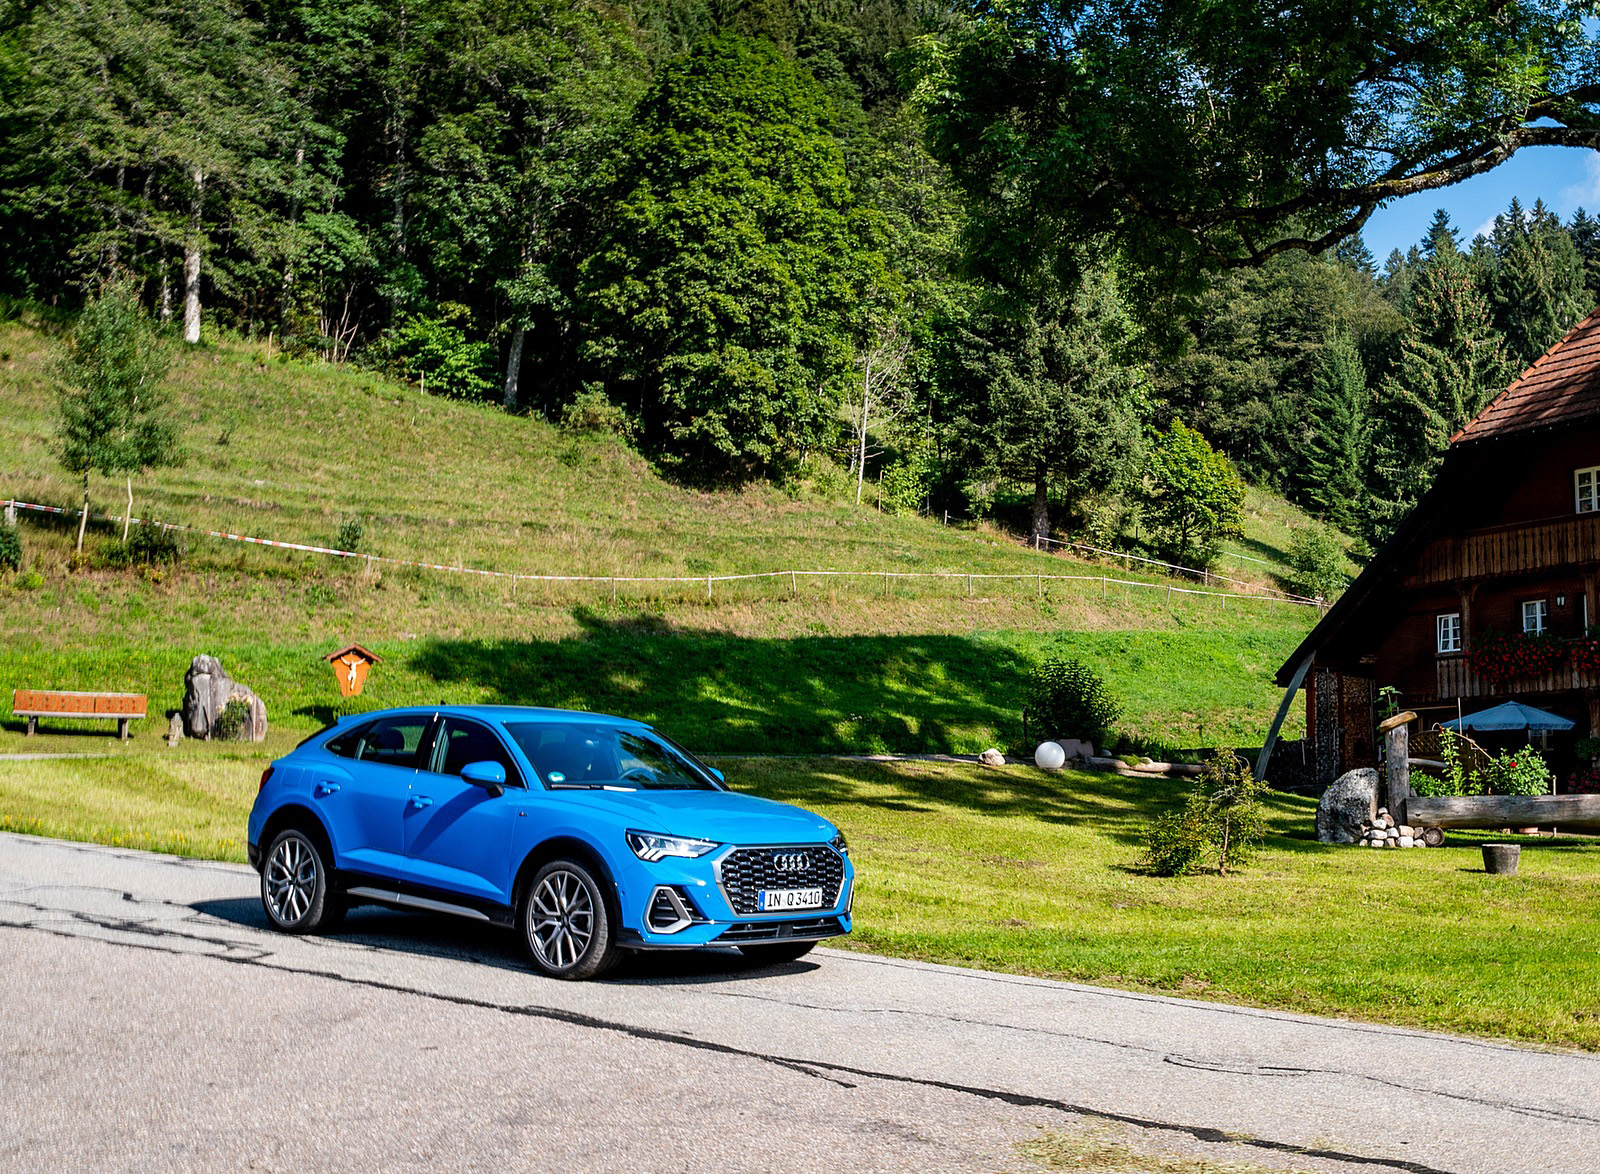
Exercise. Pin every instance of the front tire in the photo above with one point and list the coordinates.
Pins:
(296, 883)
(566, 926)
(776, 953)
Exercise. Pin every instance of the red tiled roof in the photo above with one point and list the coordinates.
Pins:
(1562, 386)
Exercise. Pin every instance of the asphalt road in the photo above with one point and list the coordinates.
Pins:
(150, 1021)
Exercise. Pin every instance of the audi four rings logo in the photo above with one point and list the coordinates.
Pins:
(791, 862)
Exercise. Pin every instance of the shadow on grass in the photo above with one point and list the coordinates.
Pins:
(429, 935)
(732, 694)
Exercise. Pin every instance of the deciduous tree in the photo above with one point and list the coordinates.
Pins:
(114, 419)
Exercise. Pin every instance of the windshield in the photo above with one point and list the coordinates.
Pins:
(574, 755)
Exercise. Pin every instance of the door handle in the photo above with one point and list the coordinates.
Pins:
(421, 801)
(325, 789)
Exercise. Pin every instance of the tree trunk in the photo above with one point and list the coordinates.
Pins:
(1041, 511)
(127, 515)
(514, 368)
(83, 518)
(166, 289)
(286, 298)
(861, 448)
(191, 262)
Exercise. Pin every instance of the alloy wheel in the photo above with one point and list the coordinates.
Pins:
(291, 877)
(561, 919)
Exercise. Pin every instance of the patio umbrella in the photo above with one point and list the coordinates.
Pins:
(1512, 715)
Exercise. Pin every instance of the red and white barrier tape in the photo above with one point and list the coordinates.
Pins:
(518, 576)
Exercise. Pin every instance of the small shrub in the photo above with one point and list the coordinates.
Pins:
(437, 353)
(1234, 794)
(591, 413)
(148, 545)
(10, 549)
(230, 723)
(1316, 564)
(1518, 772)
(30, 580)
(1587, 748)
(1222, 815)
(1067, 698)
(907, 482)
(1175, 844)
(351, 532)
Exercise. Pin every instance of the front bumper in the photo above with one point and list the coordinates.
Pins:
(719, 911)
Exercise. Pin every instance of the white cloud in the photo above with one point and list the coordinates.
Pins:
(1484, 229)
(1586, 192)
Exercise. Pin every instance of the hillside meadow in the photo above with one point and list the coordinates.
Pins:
(821, 663)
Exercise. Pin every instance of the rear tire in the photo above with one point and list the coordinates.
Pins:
(776, 953)
(565, 923)
(296, 885)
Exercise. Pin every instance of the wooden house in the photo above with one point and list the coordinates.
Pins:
(1488, 590)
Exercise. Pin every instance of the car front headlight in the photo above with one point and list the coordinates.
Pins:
(654, 846)
(840, 845)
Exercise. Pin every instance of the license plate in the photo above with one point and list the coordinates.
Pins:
(776, 900)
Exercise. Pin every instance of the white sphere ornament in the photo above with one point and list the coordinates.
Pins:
(1050, 756)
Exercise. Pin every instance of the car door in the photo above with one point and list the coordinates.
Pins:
(364, 793)
(458, 835)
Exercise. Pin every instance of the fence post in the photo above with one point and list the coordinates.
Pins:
(613, 591)
(969, 586)
(886, 586)
(708, 586)
(1040, 578)
(794, 589)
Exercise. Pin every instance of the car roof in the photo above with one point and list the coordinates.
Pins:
(504, 713)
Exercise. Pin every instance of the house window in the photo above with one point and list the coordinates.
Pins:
(1586, 489)
(1449, 633)
(1535, 616)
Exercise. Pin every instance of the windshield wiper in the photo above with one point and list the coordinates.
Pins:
(589, 787)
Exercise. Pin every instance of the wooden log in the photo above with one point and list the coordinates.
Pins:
(1499, 811)
(1397, 768)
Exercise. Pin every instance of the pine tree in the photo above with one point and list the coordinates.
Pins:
(1332, 472)
(1585, 233)
(1353, 251)
(1440, 235)
(1538, 281)
(1452, 362)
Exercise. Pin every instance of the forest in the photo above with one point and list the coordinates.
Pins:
(1045, 261)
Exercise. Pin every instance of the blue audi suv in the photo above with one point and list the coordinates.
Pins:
(590, 835)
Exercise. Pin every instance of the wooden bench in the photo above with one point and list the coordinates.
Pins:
(34, 704)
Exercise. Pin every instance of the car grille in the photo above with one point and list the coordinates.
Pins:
(746, 871)
(767, 931)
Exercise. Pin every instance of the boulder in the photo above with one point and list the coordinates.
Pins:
(1076, 748)
(207, 689)
(992, 757)
(1350, 802)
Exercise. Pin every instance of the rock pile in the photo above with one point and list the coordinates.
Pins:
(1384, 832)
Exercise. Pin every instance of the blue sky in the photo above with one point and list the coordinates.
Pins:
(1564, 177)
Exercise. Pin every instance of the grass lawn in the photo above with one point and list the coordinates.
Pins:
(1015, 870)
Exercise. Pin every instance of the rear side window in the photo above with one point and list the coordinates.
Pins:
(392, 741)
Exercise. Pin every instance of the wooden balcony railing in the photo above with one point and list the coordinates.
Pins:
(1455, 677)
(1506, 550)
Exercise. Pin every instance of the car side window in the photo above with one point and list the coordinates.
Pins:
(463, 741)
(392, 741)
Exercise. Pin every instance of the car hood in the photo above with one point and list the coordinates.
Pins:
(724, 816)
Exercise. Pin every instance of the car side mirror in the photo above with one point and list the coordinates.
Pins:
(717, 774)
(491, 776)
